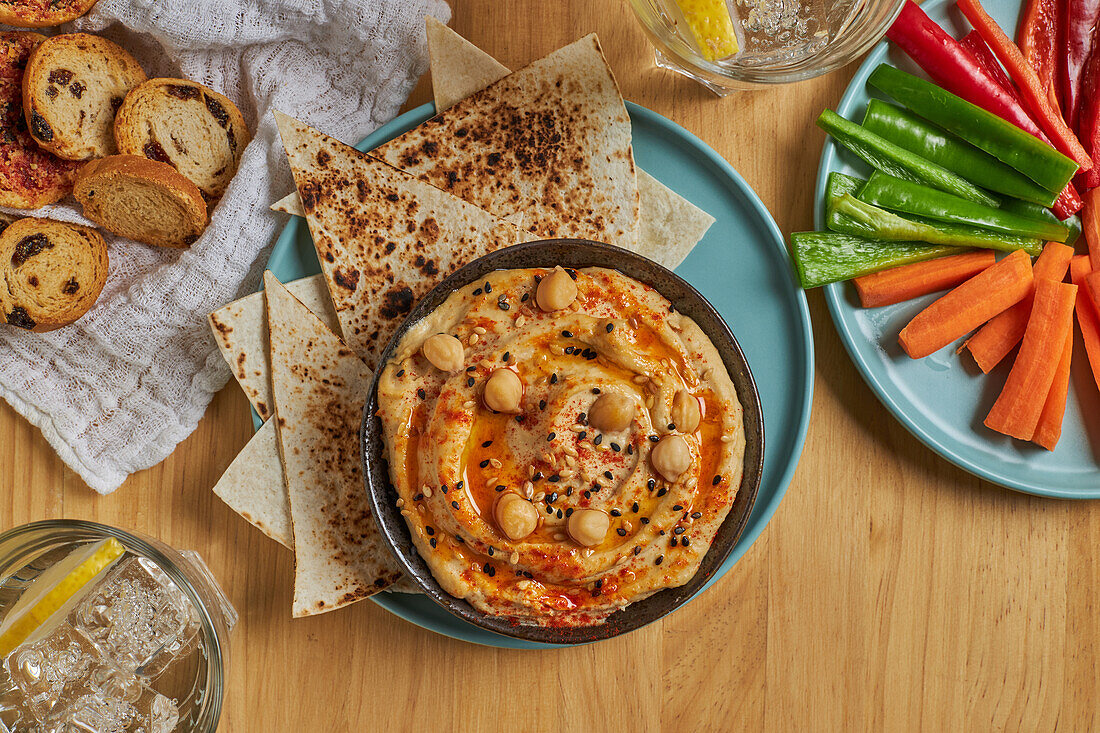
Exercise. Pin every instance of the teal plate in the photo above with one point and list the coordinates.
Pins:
(943, 399)
(741, 266)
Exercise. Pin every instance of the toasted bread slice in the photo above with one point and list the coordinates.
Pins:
(50, 272)
(29, 176)
(42, 13)
(73, 85)
(144, 200)
(192, 128)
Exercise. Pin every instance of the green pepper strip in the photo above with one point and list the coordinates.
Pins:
(896, 194)
(906, 129)
(1034, 211)
(1003, 140)
(887, 157)
(821, 258)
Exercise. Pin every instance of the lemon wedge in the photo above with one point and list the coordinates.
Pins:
(53, 592)
(712, 26)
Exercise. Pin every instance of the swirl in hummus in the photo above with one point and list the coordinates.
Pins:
(563, 443)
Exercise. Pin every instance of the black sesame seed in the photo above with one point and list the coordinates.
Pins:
(569, 491)
(660, 559)
(430, 530)
(653, 438)
(418, 497)
(484, 463)
(582, 435)
(551, 437)
(554, 479)
(671, 308)
(492, 571)
(454, 504)
(503, 305)
(507, 355)
(486, 444)
(567, 334)
(678, 530)
(524, 297)
(644, 520)
(478, 291)
(621, 532)
(459, 485)
(488, 287)
(569, 512)
(527, 574)
(460, 540)
(549, 509)
(559, 514)
(610, 327)
(677, 507)
(538, 279)
(661, 532)
(599, 583)
(662, 491)
(630, 450)
(572, 273)
(443, 488)
(696, 515)
(615, 513)
(542, 404)
(554, 378)
(616, 447)
(608, 474)
(519, 418)
(422, 394)
(569, 349)
(401, 373)
(685, 541)
(598, 439)
(582, 418)
(499, 487)
(651, 484)
(595, 390)
(634, 507)
(716, 480)
(672, 542)
(432, 542)
(537, 476)
(469, 381)
(491, 550)
(672, 426)
(596, 486)
(587, 494)
(472, 368)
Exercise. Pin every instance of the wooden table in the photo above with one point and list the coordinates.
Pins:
(891, 590)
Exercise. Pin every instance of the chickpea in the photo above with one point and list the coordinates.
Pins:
(556, 291)
(443, 351)
(611, 412)
(685, 412)
(670, 457)
(515, 516)
(588, 527)
(503, 391)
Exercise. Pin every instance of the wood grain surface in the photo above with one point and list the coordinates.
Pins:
(892, 591)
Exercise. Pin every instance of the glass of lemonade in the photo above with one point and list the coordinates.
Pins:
(740, 44)
(104, 631)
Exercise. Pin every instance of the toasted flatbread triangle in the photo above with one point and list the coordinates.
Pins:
(240, 328)
(320, 388)
(468, 68)
(383, 237)
(551, 140)
(254, 487)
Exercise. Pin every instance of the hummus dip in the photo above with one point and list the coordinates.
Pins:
(562, 443)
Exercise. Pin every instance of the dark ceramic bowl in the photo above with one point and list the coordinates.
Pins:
(572, 253)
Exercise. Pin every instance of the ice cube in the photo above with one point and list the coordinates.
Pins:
(138, 618)
(113, 701)
(44, 670)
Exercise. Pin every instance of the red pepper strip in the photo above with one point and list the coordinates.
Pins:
(1038, 38)
(1033, 93)
(1088, 117)
(1079, 17)
(973, 43)
(954, 68)
(1068, 203)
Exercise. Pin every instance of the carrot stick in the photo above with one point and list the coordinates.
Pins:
(1087, 319)
(920, 278)
(1034, 93)
(997, 288)
(1017, 409)
(1090, 223)
(1092, 286)
(1049, 429)
(995, 339)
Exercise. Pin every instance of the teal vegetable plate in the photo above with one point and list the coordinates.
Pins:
(740, 266)
(943, 399)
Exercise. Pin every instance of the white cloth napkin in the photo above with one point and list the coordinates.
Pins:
(118, 390)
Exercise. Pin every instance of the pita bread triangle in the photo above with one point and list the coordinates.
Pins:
(464, 69)
(320, 388)
(551, 140)
(383, 237)
(254, 487)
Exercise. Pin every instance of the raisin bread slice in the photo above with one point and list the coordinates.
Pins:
(29, 176)
(72, 88)
(183, 123)
(50, 272)
(42, 13)
(144, 200)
